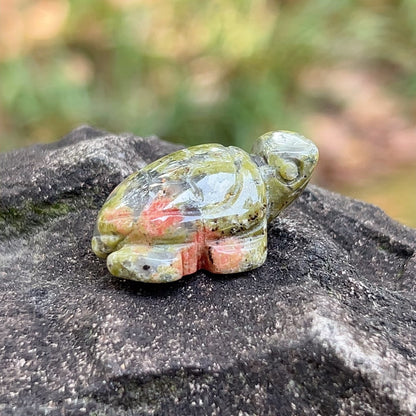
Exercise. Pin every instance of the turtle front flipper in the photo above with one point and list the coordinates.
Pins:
(236, 254)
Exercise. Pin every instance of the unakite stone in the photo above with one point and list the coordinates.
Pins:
(204, 207)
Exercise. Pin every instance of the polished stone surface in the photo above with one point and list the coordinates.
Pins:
(203, 207)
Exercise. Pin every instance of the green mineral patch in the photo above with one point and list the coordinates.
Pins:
(51, 210)
(19, 220)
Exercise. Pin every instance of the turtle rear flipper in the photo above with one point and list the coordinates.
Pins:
(149, 263)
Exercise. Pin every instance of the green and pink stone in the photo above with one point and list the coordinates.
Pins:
(204, 207)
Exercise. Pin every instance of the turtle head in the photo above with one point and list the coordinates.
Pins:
(286, 161)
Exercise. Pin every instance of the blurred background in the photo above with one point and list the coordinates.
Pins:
(342, 72)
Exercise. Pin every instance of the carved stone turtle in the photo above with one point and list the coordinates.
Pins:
(204, 207)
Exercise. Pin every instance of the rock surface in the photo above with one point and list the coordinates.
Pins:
(327, 326)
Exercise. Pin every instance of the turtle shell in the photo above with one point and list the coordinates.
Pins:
(207, 198)
(211, 186)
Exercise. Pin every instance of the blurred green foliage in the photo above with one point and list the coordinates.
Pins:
(189, 71)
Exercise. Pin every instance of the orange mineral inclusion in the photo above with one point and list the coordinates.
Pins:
(157, 218)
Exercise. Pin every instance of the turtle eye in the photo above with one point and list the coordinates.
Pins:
(289, 171)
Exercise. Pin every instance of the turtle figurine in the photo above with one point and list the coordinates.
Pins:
(203, 207)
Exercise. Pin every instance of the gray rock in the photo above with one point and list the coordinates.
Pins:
(327, 326)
